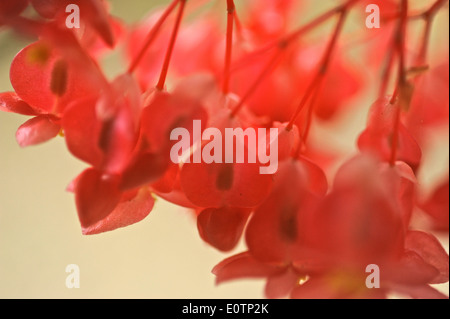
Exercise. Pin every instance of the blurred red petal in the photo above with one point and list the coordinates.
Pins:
(167, 112)
(10, 102)
(359, 221)
(278, 229)
(437, 206)
(431, 251)
(221, 184)
(82, 131)
(411, 269)
(143, 169)
(430, 103)
(314, 289)
(127, 212)
(38, 130)
(222, 228)
(401, 182)
(93, 12)
(377, 138)
(96, 197)
(280, 285)
(241, 266)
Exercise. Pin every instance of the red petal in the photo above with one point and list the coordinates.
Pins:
(38, 130)
(10, 102)
(280, 285)
(128, 212)
(314, 289)
(410, 270)
(437, 206)
(97, 16)
(92, 12)
(82, 131)
(401, 183)
(222, 228)
(220, 184)
(430, 103)
(359, 222)
(377, 138)
(341, 83)
(323, 288)
(96, 197)
(278, 229)
(431, 251)
(241, 266)
(420, 292)
(31, 76)
(47, 8)
(167, 112)
(144, 168)
(168, 181)
(12, 8)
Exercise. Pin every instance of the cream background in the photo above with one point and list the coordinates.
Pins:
(160, 257)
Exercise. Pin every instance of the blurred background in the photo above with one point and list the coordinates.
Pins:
(160, 257)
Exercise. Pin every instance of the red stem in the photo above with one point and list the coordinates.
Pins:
(402, 81)
(291, 37)
(238, 24)
(286, 41)
(323, 68)
(229, 46)
(310, 113)
(165, 68)
(387, 72)
(429, 18)
(152, 36)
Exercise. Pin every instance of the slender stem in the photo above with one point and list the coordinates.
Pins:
(239, 29)
(165, 68)
(309, 117)
(423, 53)
(152, 36)
(309, 92)
(229, 46)
(323, 67)
(387, 72)
(402, 81)
(285, 41)
(428, 16)
(435, 7)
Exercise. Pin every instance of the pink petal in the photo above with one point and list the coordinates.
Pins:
(128, 212)
(38, 130)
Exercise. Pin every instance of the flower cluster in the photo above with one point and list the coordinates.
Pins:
(309, 233)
